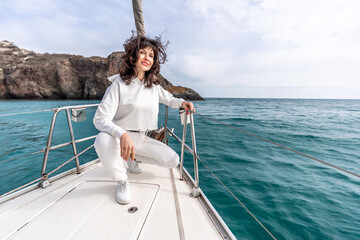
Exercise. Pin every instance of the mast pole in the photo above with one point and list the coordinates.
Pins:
(138, 15)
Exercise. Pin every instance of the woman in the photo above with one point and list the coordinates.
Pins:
(129, 109)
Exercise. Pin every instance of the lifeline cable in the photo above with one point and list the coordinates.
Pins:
(8, 160)
(11, 114)
(70, 160)
(292, 150)
(237, 199)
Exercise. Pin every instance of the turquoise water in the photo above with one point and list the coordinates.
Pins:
(294, 197)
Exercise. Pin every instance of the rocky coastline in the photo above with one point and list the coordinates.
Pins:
(25, 74)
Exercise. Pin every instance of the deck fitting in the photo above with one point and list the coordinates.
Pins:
(132, 209)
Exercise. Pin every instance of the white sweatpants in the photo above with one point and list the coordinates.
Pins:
(147, 150)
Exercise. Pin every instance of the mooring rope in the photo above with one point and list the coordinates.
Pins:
(277, 144)
(20, 113)
(237, 199)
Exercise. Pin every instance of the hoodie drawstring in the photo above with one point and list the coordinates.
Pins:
(145, 135)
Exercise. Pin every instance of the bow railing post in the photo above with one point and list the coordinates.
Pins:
(45, 182)
(196, 190)
(73, 140)
(184, 120)
(166, 138)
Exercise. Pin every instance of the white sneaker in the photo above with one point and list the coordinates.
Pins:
(133, 166)
(123, 193)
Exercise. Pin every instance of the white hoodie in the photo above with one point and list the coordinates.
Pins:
(131, 107)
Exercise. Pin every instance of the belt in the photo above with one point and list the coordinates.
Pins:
(147, 132)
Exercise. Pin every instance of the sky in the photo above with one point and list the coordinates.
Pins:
(233, 48)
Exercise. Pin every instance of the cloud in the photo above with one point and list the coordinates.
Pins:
(272, 44)
(216, 46)
(23, 7)
(85, 28)
(282, 22)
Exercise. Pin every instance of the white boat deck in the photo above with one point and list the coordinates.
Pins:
(83, 207)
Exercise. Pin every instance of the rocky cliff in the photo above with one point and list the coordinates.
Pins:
(26, 74)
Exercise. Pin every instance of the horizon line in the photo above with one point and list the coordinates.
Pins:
(286, 98)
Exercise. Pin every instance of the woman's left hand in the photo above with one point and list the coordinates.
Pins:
(188, 105)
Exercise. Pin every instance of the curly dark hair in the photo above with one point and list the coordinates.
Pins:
(132, 47)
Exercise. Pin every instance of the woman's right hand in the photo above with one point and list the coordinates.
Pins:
(127, 147)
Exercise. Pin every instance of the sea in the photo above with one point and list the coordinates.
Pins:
(293, 196)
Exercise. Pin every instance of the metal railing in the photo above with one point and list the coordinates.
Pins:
(186, 117)
(44, 181)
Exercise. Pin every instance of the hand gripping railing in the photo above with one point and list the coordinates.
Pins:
(44, 181)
